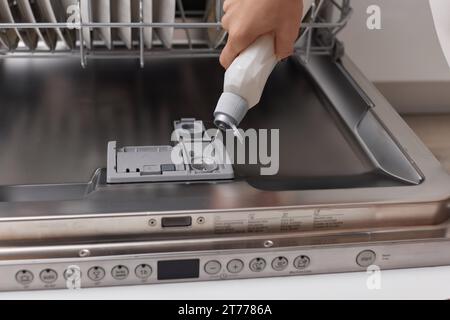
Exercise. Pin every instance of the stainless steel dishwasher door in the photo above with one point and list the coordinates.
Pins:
(344, 152)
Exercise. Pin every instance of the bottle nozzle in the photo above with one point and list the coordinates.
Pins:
(223, 121)
(230, 111)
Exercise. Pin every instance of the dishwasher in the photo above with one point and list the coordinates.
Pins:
(356, 188)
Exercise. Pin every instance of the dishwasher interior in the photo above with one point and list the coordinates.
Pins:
(355, 186)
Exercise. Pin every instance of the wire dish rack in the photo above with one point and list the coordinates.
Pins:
(197, 33)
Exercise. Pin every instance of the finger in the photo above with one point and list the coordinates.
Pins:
(226, 21)
(284, 43)
(227, 4)
(229, 53)
(235, 45)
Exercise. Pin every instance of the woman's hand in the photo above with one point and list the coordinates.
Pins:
(247, 20)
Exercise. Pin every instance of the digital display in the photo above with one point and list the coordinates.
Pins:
(178, 269)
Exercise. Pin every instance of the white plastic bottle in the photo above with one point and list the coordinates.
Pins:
(246, 78)
(244, 82)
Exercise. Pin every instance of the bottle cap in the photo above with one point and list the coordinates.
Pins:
(230, 110)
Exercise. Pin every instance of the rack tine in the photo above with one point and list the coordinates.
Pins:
(219, 11)
(219, 15)
(141, 33)
(346, 13)
(309, 35)
(80, 31)
(313, 14)
(183, 18)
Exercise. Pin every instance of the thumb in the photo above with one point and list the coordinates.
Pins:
(284, 43)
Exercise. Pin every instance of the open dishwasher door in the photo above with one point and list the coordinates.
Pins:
(340, 142)
(351, 174)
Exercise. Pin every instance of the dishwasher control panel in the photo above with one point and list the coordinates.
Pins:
(137, 269)
(147, 269)
(133, 271)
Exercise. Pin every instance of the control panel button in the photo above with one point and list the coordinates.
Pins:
(235, 266)
(119, 272)
(301, 262)
(257, 264)
(280, 263)
(213, 267)
(73, 273)
(48, 276)
(143, 271)
(366, 258)
(96, 273)
(24, 277)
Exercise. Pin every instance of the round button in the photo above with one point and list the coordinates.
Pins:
(235, 266)
(301, 262)
(257, 264)
(280, 263)
(143, 271)
(366, 258)
(96, 273)
(119, 272)
(48, 276)
(73, 273)
(24, 277)
(213, 267)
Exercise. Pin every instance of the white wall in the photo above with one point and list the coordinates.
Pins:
(440, 10)
(407, 48)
